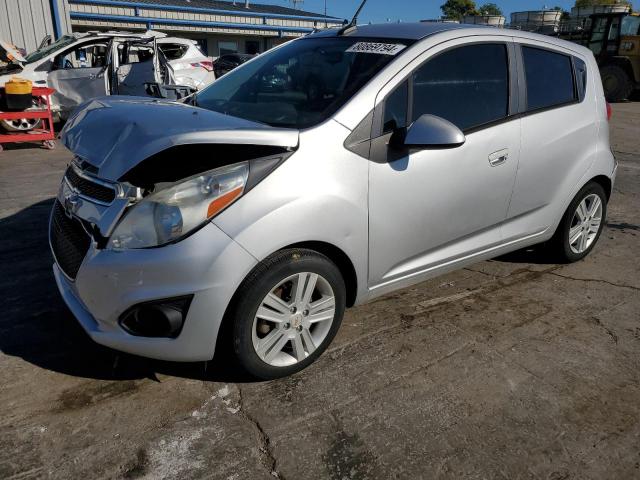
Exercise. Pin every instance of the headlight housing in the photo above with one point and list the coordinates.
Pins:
(173, 212)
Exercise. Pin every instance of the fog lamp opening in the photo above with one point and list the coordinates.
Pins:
(157, 319)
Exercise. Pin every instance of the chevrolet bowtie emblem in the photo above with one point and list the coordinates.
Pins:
(71, 203)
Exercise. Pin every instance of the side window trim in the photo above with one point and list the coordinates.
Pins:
(520, 79)
(513, 70)
(580, 71)
(577, 98)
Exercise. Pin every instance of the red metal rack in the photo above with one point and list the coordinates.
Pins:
(45, 135)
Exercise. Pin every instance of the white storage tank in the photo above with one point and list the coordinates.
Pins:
(492, 20)
(439, 20)
(544, 21)
(580, 12)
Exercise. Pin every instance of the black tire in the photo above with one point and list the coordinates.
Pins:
(617, 84)
(559, 245)
(255, 288)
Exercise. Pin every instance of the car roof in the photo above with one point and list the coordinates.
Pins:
(400, 31)
(418, 31)
(119, 34)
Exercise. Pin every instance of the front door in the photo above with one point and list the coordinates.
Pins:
(430, 208)
(80, 74)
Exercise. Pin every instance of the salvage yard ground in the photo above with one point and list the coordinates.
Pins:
(510, 369)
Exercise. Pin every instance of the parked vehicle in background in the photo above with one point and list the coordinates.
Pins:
(190, 66)
(263, 213)
(225, 63)
(83, 66)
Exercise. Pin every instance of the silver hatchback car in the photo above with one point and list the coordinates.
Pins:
(327, 172)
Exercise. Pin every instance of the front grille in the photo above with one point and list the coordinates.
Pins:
(88, 188)
(69, 241)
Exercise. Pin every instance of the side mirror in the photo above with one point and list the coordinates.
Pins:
(430, 131)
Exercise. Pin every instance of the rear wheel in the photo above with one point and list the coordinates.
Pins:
(616, 82)
(581, 224)
(287, 313)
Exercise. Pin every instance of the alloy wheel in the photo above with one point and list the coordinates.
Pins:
(21, 124)
(585, 224)
(24, 124)
(293, 319)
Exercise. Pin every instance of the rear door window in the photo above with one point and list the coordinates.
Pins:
(469, 86)
(549, 77)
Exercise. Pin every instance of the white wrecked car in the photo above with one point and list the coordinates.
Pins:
(82, 66)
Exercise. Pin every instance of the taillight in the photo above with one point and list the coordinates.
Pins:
(208, 66)
(609, 111)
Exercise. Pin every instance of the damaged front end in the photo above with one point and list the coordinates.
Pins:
(149, 173)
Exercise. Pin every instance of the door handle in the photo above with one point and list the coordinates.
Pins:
(498, 158)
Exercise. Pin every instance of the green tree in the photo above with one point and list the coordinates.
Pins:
(456, 9)
(489, 9)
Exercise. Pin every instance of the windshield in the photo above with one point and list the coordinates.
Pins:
(630, 25)
(44, 51)
(300, 84)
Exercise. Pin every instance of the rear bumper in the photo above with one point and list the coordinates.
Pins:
(208, 265)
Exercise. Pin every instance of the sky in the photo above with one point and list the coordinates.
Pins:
(377, 11)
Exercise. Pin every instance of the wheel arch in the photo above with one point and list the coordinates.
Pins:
(601, 179)
(605, 183)
(332, 252)
(340, 258)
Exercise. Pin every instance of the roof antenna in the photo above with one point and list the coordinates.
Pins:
(351, 26)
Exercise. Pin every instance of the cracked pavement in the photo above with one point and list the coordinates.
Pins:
(510, 368)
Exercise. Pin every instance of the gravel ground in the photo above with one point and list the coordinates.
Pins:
(509, 369)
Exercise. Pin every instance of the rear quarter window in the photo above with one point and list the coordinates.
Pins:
(581, 77)
(549, 77)
(174, 51)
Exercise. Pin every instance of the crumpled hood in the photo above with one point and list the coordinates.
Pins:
(116, 133)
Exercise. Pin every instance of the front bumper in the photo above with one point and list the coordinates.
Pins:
(208, 264)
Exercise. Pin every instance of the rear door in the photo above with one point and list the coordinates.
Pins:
(80, 74)
(558, 137)
(433, 208)
(140, 62)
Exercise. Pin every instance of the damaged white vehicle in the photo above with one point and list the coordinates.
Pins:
(83, 66)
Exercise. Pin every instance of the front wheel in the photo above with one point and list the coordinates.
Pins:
(581, 224)
(287, 312)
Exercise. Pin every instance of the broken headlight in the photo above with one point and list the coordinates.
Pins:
(171, 213)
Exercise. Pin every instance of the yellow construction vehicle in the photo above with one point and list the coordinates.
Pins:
(614, 39)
